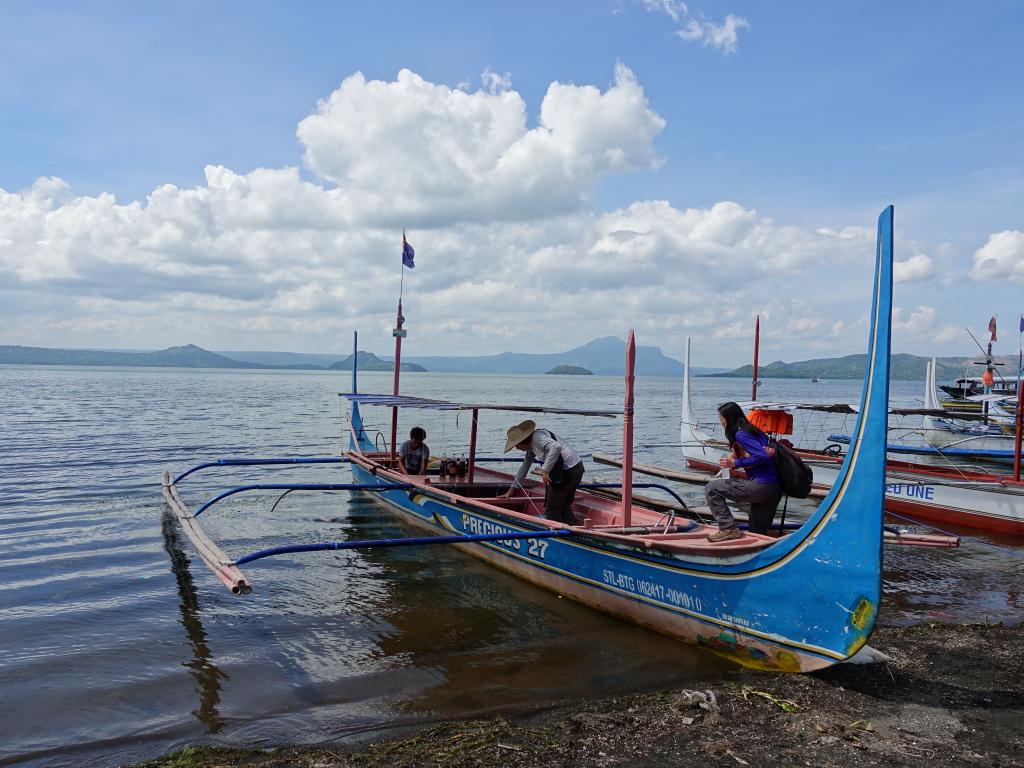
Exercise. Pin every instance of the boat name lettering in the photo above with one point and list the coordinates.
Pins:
(475, 525)
(651, 589)
(537, 547)
(911, 490)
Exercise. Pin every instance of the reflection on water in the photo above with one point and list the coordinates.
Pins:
(116, 644)
(205, 672)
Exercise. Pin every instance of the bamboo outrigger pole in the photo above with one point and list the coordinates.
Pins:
(355, 361)
(627, 435)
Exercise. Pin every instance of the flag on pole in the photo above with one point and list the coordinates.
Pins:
(1022, 323)
(992, 329)
(407, 253)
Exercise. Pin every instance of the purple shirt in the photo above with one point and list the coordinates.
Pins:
(757, 463)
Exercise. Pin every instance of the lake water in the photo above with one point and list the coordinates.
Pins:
(116, 644)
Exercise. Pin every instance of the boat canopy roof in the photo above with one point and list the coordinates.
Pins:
(849, 408)
(991, 398)
(762, 405)
(404, 401)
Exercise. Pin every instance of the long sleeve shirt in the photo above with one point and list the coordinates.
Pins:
(757, 463)
(548, 448)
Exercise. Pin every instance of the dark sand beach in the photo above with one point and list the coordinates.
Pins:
(951, 695)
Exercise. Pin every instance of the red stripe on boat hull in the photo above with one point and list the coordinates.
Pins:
(934, 513)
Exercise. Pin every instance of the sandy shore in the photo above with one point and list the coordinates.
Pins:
(951, 695)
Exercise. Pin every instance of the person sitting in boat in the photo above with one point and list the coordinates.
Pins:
(760, 489)
(414, 454)
(561, 468)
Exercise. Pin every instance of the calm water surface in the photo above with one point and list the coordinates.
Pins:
(116, 644)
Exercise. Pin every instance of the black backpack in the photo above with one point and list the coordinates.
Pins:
(795, 477)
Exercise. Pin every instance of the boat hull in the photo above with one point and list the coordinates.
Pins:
(644, 589)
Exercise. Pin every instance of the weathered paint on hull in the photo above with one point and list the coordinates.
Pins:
(704, 630)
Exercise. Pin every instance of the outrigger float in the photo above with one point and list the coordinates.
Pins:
(797, 603)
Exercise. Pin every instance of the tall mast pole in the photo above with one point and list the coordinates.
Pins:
(757, 346)
(627, 435)
(399, 333)
(1017, 433)
(1020, 351)
(355, 361)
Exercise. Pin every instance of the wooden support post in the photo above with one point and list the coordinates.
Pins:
(399, 334)
(757, 346)
(472, 445)
(627, 435)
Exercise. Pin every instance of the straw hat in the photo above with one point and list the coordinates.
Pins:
(518, 433)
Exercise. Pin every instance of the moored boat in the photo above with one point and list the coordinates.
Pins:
(734, 597)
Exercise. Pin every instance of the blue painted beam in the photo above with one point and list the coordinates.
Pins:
(303, 487)
(258, 462)
(402, 542)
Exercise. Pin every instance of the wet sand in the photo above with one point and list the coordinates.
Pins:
(951, 695)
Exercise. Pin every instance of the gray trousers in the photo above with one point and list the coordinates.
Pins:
(763, 500)
(558, 497)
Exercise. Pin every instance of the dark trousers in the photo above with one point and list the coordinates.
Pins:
(763, 500)
(558, 497)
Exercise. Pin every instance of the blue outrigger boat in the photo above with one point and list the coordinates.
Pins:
(797, 603)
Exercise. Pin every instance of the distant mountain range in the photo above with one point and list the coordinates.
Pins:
(902, 366)
(604, 357)
(188, 356)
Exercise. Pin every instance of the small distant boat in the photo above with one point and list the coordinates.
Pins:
(990, 437)
(735, 597)
(815, 380)
(971, 386)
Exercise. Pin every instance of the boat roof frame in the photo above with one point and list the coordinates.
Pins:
(849, 409)
(405, 401)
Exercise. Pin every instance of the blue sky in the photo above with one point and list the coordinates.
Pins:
(822, 114)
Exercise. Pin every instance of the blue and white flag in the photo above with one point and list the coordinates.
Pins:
(407, 254)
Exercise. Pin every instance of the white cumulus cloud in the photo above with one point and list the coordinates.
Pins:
(917, 267)
(422, 153)
(1001, 258)
(255, 259)
(269, 259)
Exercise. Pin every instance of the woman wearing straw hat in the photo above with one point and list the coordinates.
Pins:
(561, 468)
